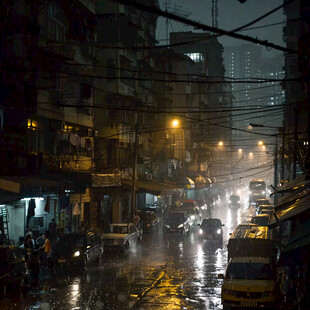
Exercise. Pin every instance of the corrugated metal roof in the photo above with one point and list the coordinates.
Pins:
(287, 211)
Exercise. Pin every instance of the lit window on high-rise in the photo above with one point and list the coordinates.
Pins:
(196, 57)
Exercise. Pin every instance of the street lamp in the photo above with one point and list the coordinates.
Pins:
(221, 143)
(176, 125)
(281, 132)
(260, 143)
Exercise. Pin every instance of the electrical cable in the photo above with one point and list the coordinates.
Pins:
(155, 10)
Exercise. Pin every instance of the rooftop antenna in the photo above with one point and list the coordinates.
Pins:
(214, 13)
(174, 9)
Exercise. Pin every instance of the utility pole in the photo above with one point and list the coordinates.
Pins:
(295, 143)
(276, 169)
(134, 168)
(282, 154)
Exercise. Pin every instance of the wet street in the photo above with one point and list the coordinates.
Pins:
(164, 272)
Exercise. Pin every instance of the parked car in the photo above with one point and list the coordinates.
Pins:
(234, 202)
(262, 201)
(260, 220)
(77, 250)
(211, 229)
(13, 269)
(177, 222)
(148, 221)
(265, 207)
(268, 212)
(189, 204)
(122, 237)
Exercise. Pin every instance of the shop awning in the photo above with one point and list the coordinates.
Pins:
(148, 186)
(200, 182)
(292, 186)
(10, 185)
(288, 211)
(188, 183)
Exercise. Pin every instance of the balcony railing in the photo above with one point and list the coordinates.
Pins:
(68, 162)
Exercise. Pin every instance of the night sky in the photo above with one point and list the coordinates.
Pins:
(232, 14)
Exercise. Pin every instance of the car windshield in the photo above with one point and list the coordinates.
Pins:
(67, 241)
(119, 229)
(188, 204)
(263, 202)
(211, 223)
(175, 218)
(258, 185)
(234, 198)
(249, 271)
(262, 220)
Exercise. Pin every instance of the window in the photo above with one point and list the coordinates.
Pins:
(55, 29)
(196, 57)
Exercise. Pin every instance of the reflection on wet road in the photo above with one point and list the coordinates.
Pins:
(164, 272)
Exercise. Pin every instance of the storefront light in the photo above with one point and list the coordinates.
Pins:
(36, 198)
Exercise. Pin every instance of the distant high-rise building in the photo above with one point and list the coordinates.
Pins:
(246, 62)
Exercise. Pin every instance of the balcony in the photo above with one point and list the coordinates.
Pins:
(67, 162)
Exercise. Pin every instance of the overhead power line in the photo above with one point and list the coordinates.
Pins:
(157, 11)
(258, 81)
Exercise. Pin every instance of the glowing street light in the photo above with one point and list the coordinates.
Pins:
(175, 123)
(260, 143)
(240, 151)
(221, 143)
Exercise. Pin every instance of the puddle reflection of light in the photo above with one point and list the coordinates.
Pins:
(200, 262)
(219, 259)
(181, 249)
(229, 219)
(75, 291)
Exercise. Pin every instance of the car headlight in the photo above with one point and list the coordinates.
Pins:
(238, 201)
(180, 226)
(250, 192)
(218, 231)
(192, 217)
(76, 254)
(167, 226)
(200, 231)
(229, 201)
(264, 192)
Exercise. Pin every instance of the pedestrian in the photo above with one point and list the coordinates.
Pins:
(52, 229)
(28, 246)
(136, 218)
(47, 248)
(40, 241)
